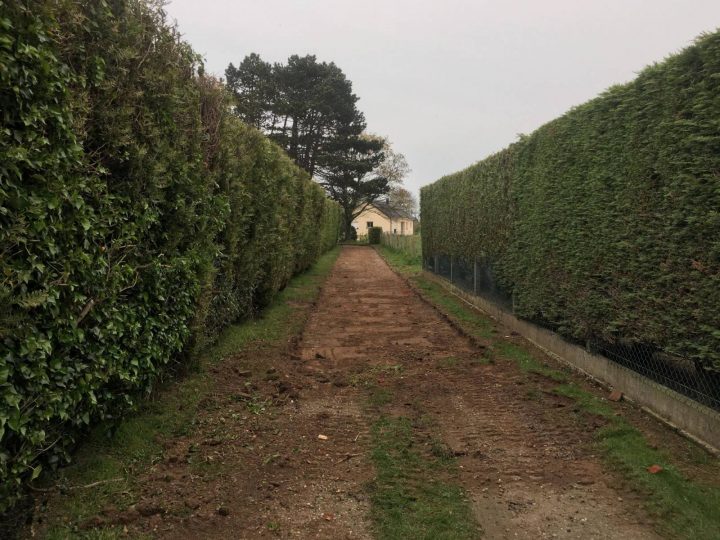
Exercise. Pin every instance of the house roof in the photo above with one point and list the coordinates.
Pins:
(390, 211)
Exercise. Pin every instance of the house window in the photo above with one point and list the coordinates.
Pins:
(402, 227)
(369, 224)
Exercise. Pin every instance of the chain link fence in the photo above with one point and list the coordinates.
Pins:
(686, 377)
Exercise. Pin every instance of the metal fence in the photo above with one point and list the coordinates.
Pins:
(681, 375)
(475, 277)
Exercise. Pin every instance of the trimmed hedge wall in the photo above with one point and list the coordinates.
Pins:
(374, 235)
(605, 223)
(138, 217)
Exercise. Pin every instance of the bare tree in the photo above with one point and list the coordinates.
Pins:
(404, 200)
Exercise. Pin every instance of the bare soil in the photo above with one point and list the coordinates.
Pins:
(297, 464)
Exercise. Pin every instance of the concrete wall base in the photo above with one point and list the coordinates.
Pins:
(693, 419)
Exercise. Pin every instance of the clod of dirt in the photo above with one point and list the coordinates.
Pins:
(149, 509)
(192, 504)
(615, 395)
(284, 387)
(213, 442)
(125, 518)
(109, 510)
(92, 523)
(223, 511)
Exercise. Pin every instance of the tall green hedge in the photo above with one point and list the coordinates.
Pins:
(605, 223)
(374, 235)
(138, 217)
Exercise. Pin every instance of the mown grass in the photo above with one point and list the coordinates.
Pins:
(683, 508)
(527, 362)
(399, 261)
(379, 396)
(413, 494)
(116, 455)
(409, 500)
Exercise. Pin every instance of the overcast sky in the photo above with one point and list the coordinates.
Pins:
(451, 81)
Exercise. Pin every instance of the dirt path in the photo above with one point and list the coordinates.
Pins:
(527, 465)
(299, 466)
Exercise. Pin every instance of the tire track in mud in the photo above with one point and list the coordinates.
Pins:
(528, 467)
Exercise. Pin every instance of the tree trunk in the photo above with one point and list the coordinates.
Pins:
(348, 219)
(294, 142)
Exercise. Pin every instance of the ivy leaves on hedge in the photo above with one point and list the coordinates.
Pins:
(137, 218)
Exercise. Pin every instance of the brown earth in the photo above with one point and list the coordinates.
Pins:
(300, 466)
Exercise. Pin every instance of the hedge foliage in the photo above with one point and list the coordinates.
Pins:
(605, 223)
(138, 217)
(374, 235)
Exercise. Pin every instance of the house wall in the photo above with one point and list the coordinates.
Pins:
(381, 220)
(409, 225)
(370, 214)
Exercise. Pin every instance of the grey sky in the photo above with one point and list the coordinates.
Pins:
(452, 81)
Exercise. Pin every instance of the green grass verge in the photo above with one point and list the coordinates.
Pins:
(684, 508)
(527, 362)
(277, 321)
(399, 261)
(408, 499)
(135, 443)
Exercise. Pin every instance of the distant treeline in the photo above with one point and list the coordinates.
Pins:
(605, 223)
(138, 217)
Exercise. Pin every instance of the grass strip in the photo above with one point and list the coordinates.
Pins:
(408, 498)
(526, 361)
